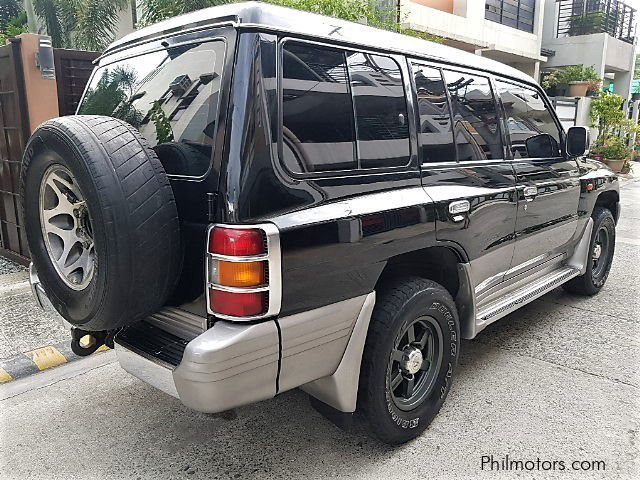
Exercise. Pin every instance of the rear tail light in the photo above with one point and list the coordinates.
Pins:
(243, 271)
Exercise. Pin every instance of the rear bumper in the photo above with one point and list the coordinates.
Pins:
(226, 366)
(233, 364)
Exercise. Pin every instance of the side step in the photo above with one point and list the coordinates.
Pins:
(514, 300)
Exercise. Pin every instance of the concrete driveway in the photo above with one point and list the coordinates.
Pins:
(556, 381)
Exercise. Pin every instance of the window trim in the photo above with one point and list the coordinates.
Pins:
(221, 116)
(410, 65)
(548, 106)
(411, 164)
(499, 114)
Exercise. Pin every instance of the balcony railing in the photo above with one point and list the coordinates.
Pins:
(583, 17)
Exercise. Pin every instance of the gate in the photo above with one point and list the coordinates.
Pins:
(73, 68)
(14, 131)
(567, 110)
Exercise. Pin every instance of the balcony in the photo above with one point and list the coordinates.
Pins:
(585, 17)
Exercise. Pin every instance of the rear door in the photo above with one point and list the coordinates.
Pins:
(464, 169)
(548, 184)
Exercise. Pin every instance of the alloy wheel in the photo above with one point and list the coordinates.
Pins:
(414, 362)
(66, 227)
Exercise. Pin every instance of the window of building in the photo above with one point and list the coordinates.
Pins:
(317, 113)
(170, 96)
(380, 107)
(434, 130)
(512, 13)
(527, 115)
(475, 120)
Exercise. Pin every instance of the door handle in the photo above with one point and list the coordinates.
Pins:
(458, 208)
(530, 192)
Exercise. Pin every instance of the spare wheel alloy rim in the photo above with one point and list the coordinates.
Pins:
(66, 227)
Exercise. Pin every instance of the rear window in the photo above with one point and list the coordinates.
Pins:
(171, 96)
(341, 110)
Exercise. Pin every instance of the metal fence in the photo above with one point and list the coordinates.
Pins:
(584, 17)
(14, 131)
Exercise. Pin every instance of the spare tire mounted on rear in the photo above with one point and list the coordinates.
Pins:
(101, 221)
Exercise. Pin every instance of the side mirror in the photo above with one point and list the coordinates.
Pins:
(542, 145)
(577, 141)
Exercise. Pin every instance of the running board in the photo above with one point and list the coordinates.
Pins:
(514, 300)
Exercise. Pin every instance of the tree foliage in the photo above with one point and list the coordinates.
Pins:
(155, 10)
(9, 9)
(83, 24)
(13, 21)
(362, 11)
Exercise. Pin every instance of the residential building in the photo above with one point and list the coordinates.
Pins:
(592, 32)
(509, 31)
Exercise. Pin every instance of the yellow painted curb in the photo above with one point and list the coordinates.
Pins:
(4, 376)
(46, 357)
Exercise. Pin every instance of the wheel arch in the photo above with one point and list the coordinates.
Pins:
(438, 263)
(609, 199)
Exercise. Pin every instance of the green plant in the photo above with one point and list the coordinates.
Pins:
(572, 73)
(155, 10)
(550, 80)
(364, 11)
(577, 73)
(83, 24)
(584, 24)
(13, 27)
(607, 114)
(612, 148)
(9, 9)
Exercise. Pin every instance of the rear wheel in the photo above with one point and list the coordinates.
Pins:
(601, 248)
(409, 358)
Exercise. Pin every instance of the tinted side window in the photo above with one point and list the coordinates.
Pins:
(170, 96)
(475, 120)
(380, 107)
(317, 114)
(436, 134)
(527, 116)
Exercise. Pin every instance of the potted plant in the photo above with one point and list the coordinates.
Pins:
(579, 79)
(593, 87)
(550, 83)
(614, 152)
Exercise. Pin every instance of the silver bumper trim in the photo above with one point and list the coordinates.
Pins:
(234, 363)
(149, 370)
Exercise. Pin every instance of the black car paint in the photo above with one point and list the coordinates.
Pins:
(336, 254)
(321, 264)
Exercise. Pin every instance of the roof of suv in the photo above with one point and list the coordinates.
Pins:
(263, 15)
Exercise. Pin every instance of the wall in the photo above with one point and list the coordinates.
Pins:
(444, 5)
(42, 94)
(469, 26)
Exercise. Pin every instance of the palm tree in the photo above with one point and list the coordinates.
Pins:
(83, 24)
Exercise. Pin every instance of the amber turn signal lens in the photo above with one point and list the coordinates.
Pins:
(239, 274)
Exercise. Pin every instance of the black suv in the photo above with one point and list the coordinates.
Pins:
(253, 199)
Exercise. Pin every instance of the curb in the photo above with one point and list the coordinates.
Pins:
(38, 360)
